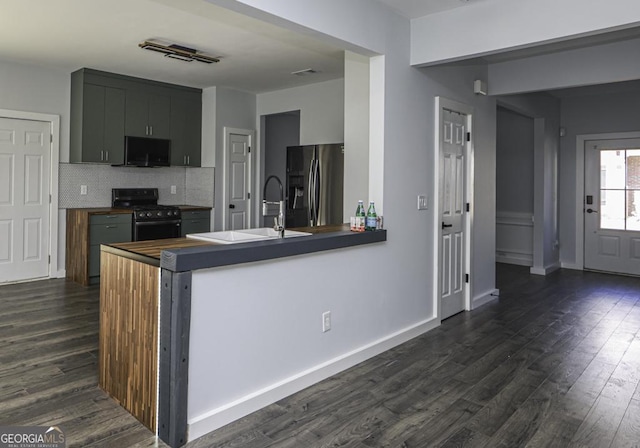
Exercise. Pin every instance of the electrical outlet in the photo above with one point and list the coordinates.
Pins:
(173, 189)
(326, 321)
(422, 203)
(83, 190)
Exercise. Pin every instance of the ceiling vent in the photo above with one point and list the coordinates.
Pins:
(305, 72)
(179, 52)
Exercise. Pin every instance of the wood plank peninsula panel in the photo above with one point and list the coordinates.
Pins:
(128, 369)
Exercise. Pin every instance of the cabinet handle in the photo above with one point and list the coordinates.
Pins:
(101, 155)
(184, 160)
(107, 158)
(110, 216)
(188, 160)
(150, 130)
(111, 227)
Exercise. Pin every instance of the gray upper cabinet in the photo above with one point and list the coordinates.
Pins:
(148, 114)
(186, 126)
(97, 117)
(106, 106)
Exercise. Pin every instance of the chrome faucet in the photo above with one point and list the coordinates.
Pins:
(278, 223)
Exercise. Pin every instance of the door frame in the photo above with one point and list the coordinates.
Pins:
(225, 171)
(581, 140)
(54, 123)
(442, 103)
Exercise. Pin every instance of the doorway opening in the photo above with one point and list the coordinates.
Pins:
(279, 131)
(514, 187)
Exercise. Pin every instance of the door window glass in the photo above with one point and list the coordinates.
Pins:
(620, 189)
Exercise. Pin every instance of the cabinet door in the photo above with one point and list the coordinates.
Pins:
(159, 116)
(186, 125)
(114, 101)
(137, 114)
(93, 124)
(196, 222)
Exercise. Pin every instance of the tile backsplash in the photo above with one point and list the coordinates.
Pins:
(194, 186)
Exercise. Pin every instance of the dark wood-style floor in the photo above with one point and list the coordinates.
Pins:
(554, 362)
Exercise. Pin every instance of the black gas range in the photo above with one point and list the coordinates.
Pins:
(150, 220)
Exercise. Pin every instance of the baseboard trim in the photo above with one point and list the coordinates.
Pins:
(62, 273)
(514, 258)
(573, 266)
(545, 270)
(487, 297)
(217, 418)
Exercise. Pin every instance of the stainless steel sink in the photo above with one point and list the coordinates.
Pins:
(244, 235)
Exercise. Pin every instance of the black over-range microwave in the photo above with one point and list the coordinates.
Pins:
(147, 152)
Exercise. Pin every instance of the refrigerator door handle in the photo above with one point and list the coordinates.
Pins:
(317, 188)
(309, 193)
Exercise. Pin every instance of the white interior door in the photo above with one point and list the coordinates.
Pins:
(452, 207)
(25, 158)
(239, 181)
(612, 206)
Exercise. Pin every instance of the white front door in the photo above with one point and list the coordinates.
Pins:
(452, 207)
(239, 178)
(612, 206)
(25, 158)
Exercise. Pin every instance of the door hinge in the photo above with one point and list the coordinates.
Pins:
(468, 136)
(468, 207)
(49, 199)
(49, 259)
(50, 138)
(248, 195)
(249, 149)
(466, 278)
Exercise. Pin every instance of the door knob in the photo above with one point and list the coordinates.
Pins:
(232, 206)
(444, 226)
(590, 210)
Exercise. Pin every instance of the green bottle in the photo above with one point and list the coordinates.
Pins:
(360, 217)
(372, 218)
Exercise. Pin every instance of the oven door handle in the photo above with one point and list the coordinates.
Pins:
(176, 222)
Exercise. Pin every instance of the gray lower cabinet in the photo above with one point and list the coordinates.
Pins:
(196, 221)
(105, 229)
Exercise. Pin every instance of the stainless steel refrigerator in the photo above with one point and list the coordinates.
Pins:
(315, 178)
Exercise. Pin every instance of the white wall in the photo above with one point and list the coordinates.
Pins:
(514, 162)
(39, 89)
(356, 132)
(494, 25)
(234, 109)
(614, 62)
(209, 131)
(321, 109)
(594, 114)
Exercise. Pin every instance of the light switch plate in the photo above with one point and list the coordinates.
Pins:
(422, 203)
(83, 190)
(173, 189)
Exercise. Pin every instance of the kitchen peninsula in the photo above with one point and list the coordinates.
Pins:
(201, 332)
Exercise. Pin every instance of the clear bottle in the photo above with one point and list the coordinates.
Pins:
(360, 216)
(372, 218)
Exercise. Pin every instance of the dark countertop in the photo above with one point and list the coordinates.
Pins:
(111, 211)
(187, 254)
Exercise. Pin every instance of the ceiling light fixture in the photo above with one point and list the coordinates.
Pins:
(179, 52)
